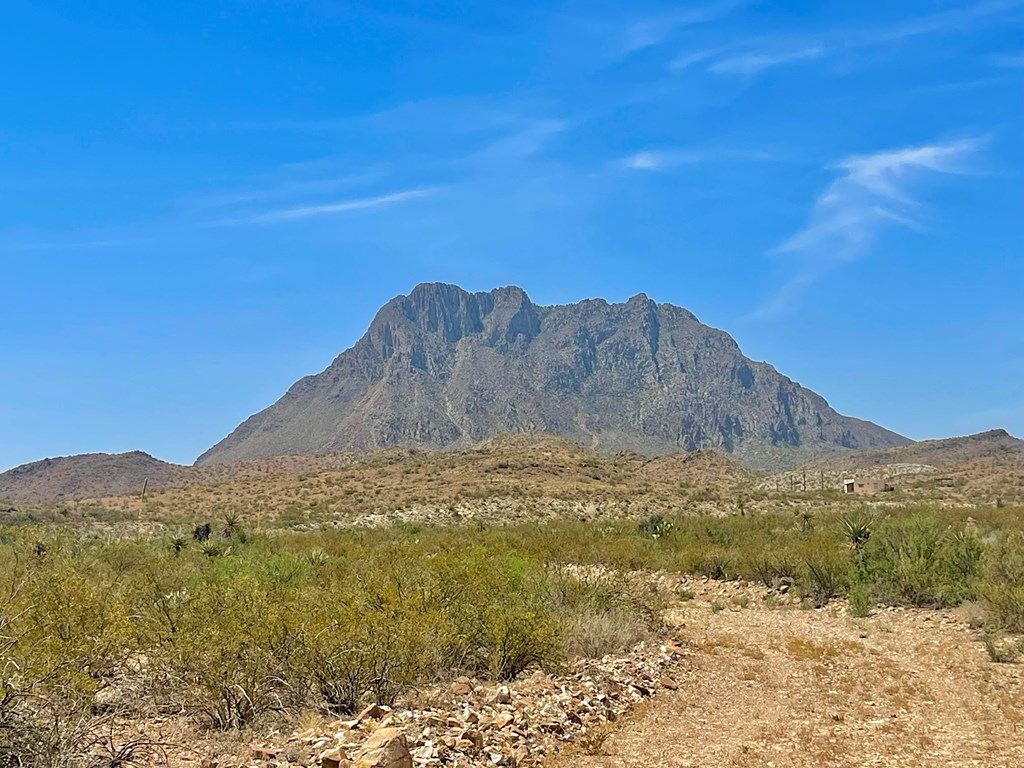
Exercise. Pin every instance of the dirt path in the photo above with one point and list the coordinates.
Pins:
(783, 686)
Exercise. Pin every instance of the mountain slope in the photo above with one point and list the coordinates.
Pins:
(698, 469)
(985, 464)
(445, 368)
(88, 476)
(937, 453)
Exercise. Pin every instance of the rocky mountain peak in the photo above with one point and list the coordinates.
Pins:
(447, 368)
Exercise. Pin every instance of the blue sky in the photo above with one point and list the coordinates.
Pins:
(203, 201)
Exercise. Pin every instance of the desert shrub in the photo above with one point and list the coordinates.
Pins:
(1002, 589)
(918, 561)
(1002, 650)
(227, 656)
(715, 564)
(597, 634)
(824, 575)
(655, 526)
(509, 612)
(774, 567)
(370, 644)
(860, 604)
(64, 630)
(233, 629)
(473, 611)
(517, 634)
(603, 614)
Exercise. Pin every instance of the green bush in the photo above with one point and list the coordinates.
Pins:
(655, 527)
(860, 604)
(824, 575)
(1002, 589)
(258, 624)
(775, 567)
(1002, 650)
(919, 561)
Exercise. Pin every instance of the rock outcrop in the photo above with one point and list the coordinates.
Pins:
(445, 368)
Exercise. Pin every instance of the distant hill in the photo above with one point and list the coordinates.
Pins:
(935, 453)
(503, 478)
(699, 469)
(443, 368)
(506, 478)
(990, 461)
(88, 476)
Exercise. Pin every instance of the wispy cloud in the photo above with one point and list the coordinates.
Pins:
(754, 55)
(299, 213)
(283, 183)
(957, 19)
(657, 160)
(524, 139)
(753, 63)
(873, 192)
(655, 30)
(666, 159)
(687, 60)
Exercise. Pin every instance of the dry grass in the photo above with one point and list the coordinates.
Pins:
(812, 689)
(514, 478)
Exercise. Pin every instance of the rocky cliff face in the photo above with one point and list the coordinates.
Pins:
(445, 368)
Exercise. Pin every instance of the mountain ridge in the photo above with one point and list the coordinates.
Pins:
(445, 368)
(939, 453)
(88, 475)
(978, 458)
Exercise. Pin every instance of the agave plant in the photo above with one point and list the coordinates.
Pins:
(317, 557)
(806, 518)
(857, 528)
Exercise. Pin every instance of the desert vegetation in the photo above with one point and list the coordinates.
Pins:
(233, 627)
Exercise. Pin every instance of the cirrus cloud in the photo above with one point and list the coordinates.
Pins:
(873, 192)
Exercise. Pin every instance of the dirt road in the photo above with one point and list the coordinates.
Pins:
(789, 687)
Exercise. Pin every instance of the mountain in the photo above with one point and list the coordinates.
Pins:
(950, 451)
(444, 368)
(88, 475)
(987, 465)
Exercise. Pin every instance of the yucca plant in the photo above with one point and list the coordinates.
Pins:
(857, 527)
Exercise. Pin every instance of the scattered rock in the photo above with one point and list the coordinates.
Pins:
(372, 712)
(469, 724)
(386, 748)
(107, 700)
(334, 758)
(502, 696)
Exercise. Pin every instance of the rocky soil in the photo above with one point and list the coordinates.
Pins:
(467, 723)
(742, 676)
(796, 688)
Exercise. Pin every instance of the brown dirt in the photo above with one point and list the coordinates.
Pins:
(520, 474)
(761, 681)
(790, 687)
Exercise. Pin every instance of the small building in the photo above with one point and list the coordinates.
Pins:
(865, 485)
